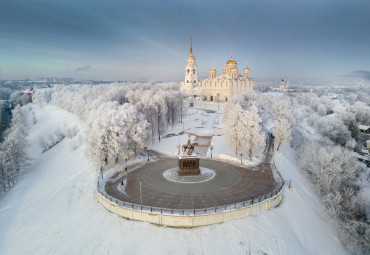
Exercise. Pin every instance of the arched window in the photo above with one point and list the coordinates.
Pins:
(187, 81)
(195, 81)
(193, 71)
(188, 70)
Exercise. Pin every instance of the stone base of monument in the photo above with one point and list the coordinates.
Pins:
(188, 165)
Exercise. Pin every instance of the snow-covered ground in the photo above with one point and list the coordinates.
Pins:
(53, 210)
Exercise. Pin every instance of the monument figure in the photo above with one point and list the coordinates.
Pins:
(188, 163)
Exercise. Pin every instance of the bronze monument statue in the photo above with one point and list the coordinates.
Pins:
(189, 163)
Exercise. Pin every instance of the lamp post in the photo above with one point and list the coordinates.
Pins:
(178, 149)
(141, 195)
(211, 150)
(126, 158)
(241, 157)
(147, 150)
(218, 101)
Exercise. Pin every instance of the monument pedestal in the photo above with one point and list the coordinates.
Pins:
(188, 165)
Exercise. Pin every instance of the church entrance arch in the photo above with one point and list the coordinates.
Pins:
(211, 98)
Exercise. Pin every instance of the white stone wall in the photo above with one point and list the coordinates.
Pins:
(190, 221)
(226, 87)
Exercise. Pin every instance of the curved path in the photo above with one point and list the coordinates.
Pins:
(231, 184)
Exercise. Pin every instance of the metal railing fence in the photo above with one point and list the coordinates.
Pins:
(193, 212)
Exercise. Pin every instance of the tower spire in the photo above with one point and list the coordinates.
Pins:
(191, 46)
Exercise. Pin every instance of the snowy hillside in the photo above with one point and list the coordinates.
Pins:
(53, 210)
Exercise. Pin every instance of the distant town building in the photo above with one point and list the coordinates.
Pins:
(29, 93)
(364, 129)
(284, 85)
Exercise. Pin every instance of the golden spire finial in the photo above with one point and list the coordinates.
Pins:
(191, 46)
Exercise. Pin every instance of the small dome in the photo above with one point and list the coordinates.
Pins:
(234, 68)
(247, 68)
(231, 61)
(212, 69)
(191, 56)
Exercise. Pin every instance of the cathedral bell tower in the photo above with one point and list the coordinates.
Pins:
(191, 72)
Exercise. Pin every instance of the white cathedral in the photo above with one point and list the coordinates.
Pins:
(216, 88)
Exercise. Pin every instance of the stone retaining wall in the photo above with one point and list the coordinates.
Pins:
(181, 221)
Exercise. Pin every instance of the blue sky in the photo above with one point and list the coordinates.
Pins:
(129, 40)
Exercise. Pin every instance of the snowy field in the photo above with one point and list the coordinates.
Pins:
(53, 210)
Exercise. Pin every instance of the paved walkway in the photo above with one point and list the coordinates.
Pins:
(203, 144)
(232, 183)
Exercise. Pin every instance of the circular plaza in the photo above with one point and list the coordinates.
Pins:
(231, 184)
(152, 192)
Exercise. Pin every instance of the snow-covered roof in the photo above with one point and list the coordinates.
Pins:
(223, 76)
(363, 127)
(365, 151)
(359, 156)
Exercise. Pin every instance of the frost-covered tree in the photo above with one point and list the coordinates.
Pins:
(333, 127)
(43, 96)
(331, 168)
(17, 98)
(242, 128)
(321, 109)
(283, 119)
(118, 131)
(234, 126)
(353, 128)
(361, 112)
(5, 93)
(333, 171)
(282, 133)
(13, 149)
(255, 137)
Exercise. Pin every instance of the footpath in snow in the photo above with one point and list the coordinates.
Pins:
(53, 210)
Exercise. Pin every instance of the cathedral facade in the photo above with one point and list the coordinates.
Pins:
(216, 88)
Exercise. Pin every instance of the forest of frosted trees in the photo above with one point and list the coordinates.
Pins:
(325, 135)
(250, 118)
(13, 149)
(121, 118)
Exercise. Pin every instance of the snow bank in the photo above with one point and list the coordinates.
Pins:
(222, 150)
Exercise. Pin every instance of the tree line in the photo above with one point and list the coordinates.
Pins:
(325, 139)
(121, 118)
(249, 119)
(13, 153)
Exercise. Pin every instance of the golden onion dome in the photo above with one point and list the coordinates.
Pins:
(247, 68)
(231, 61)
(234, 68)
(212, 69)
(191, 56)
